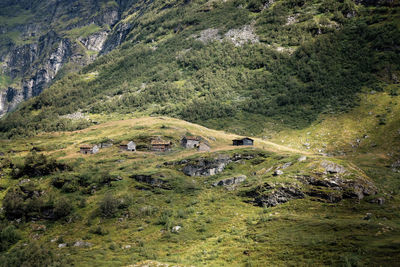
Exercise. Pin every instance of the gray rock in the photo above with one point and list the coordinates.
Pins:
(270, 196)
(62, 245)
(332, 168)
(277, 172)
(205, 167)
(149, 179)
(368, 216)
(302, 158)
(339, 187)
(379, 200)
(176, 229)
(286, 165)
(82, 244)
(231, 181)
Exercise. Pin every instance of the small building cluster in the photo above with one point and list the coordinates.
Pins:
(160, 145)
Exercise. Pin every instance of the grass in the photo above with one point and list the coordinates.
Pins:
(83, 32)
(218, 227)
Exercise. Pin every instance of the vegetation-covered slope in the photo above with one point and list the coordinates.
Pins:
(224, 64)
(119, 208)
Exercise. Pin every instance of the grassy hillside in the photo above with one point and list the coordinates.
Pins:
(225, 64)
(126, 221)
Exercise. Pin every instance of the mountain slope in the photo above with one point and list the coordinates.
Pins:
(122, 207)
(42, 41)
(224, 64)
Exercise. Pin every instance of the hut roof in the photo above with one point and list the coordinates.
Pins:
(241, 139)
(125, 143)
(160, 142)
(86, 146)
(194, 138)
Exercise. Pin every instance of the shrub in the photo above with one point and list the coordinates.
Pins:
(62, 208)
(8, 237)
(108, 206)
(31, 255)
(13, 203)
(38, 165)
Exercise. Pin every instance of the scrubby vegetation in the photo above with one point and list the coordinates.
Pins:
(120, 208)
(318, 77)
(315, 63)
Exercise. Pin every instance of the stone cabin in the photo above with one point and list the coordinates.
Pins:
(127, 146)
(203, 147)
(243, 142)
(89, 149)
(190, 141)
(160, 145)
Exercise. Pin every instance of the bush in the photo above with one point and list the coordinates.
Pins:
(13, 203)
(38, 165)
(8, 237)
(31, 255)
(108, 206)
(62, 208)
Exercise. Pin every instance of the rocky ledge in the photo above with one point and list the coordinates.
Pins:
(332, 185)
(211, 166)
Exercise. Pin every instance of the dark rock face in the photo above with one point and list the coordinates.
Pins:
(208, 167)
(150, 180)
(337, 188)
(271, 196)
(35, 64)
(231, 181)
(205, 167)
(331, 167)
(117, 37)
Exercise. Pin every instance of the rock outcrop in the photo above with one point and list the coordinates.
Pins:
(231, 181)
(270, 196)
(150, 180)
(49, 45)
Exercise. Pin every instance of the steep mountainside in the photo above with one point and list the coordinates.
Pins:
(227, 63)
(315, 83)
(43, 39)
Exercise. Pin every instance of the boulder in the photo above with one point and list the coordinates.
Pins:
(82, 244)
(286, 165)
(302, 158)
(176, 229)
(150, 180)
(231, 181)
(331, 167)
(337, 187)
(277, 172)
(62, 245)
(205, 167)
(271, 196)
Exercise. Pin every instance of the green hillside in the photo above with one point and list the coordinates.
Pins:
(315, 83)
(289, 62)
(123, 219)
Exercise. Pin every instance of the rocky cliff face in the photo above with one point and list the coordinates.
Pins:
(47, 43)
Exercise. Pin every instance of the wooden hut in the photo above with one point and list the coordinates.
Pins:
(128, 146)
(190, 141)
(89, 149)
(160, 145)
(243, 142)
